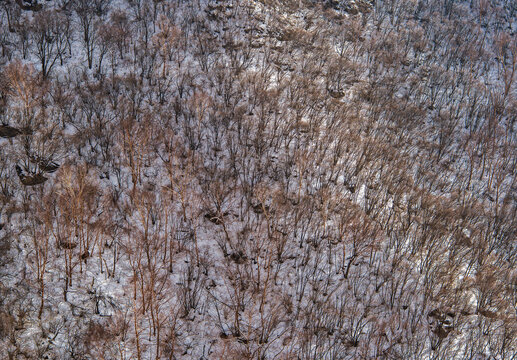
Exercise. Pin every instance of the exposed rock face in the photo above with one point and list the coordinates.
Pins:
(32, 5)
(31, 179)
(441, 322)
(7, 131)
(352, 7)
(44, 164)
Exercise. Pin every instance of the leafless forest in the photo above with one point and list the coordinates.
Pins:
(258, 179)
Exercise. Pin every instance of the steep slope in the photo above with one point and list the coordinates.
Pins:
(258, 180)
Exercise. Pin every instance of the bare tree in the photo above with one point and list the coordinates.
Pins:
(50, 33)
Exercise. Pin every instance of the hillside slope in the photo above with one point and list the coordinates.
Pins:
(258, 179)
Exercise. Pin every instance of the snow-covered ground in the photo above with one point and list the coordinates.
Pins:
(260, 180)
